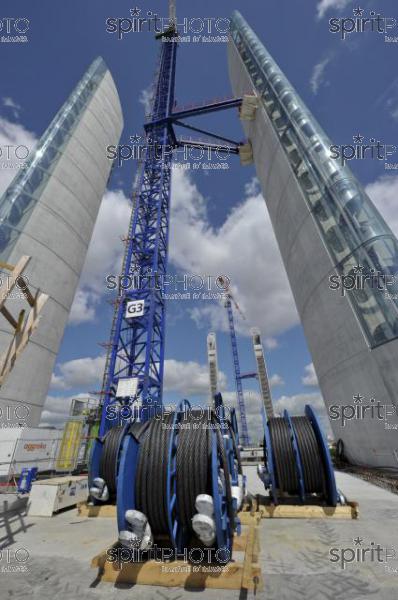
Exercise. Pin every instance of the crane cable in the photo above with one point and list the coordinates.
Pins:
(193, 473)
(109, 458)
(286, 460)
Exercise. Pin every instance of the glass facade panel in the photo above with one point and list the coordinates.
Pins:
(21, 196)
(352, 229)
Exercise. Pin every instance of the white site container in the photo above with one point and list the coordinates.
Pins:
(51, 495)
(28, 447)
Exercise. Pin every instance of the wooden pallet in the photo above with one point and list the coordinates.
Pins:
(251, 515)
(102, 510)
(244, 574)
(261, 508)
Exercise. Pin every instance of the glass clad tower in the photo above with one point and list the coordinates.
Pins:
(22, 195)
(325, 224)
(48, 212)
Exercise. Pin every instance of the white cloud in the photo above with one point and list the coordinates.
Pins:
(276, 380)
(83, 307)
(14, 138)
(325, 5)
(384, 193)
(56, 410)
(80, 373)
(318, 74)
(243, 248)
(270, 343)
(145, 98)
(189, 378)
(104, 256)
(12, 105)
(309, 378)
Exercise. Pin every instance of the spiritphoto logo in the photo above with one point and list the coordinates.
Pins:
(361, 278)
(191, 557)
(361, 409)
(13, 29)
(10, 291)
(192, 418)
(13, 157)
(374, 149)
(360, 552)
(195, 29)
(364, 21)
(187, 153)
(14, 560)
(149, 280)
(14, 417)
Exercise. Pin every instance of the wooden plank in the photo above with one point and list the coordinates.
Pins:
(285, 511)
(21, 338)
(172, 574)
(240, 542)
(248, 518)
(232, 576)
(105, 510)
(251, 577)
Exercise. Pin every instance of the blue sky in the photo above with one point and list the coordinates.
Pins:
(219, 223)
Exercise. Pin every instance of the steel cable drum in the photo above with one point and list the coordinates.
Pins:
(313, 470)
(151, 479)
(110, 457)
(193, 464)
(193, 469)
(283, 456)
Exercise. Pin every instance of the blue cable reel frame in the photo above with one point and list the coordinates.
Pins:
(232, 457)
(234, 423)
(224, 524)
(95, 459)
(296, 451)
(331, 488)
(125, 498)
(177, 537)
(269, 460)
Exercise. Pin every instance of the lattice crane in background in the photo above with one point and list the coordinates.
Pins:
(229, 299)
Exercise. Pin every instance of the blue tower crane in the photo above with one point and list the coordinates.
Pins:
(137, 340)
(135, 357)
(244, 432)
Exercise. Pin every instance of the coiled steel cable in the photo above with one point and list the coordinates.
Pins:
(109, 458)
(151, 479)
(313, 470)
(193, 462)
(284, 458)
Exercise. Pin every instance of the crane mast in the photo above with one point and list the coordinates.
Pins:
(213, 364)
(262, 374)
(134, 367)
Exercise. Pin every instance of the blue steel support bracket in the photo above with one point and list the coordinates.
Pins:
(269, 460)
(126, 479)
(177, 535)
(332, 493)
(224, 528)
